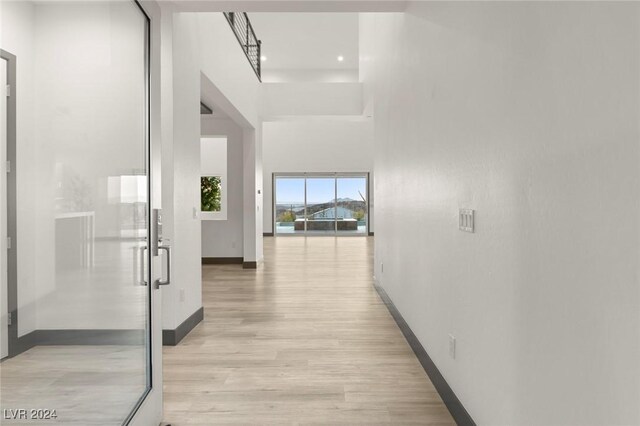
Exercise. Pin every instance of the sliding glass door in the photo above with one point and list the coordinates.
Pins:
(289, 211)
(320, 215)
(321, 204)
(352, 210)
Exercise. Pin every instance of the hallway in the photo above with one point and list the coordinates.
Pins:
(305, 339)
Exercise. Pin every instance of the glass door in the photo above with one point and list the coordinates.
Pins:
(4, 308)
(289, 206)
(80, 306)
(321, 204)
(352, 207)
(321, 207)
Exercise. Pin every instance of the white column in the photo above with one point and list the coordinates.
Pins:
(252, 165)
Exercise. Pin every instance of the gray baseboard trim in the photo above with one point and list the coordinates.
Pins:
(173, 337)
(250, 265)
(455, 407)
(90, 337)
(24, 343)
(78, 337)
(222, 260)
(371, 234)
(267, 234)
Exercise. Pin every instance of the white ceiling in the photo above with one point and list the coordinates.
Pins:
(304, 41)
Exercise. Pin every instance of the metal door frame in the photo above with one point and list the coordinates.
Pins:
(12, 252)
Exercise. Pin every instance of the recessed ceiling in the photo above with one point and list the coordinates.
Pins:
(305, 41)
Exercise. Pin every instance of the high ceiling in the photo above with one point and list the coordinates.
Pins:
(305, 41)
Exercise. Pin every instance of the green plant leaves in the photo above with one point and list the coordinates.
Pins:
(210, 193)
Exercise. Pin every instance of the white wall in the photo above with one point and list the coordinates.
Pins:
(527, 113)
(181, 176)
(213, 155)
(295, 99)
(224, 238)
(225, 64)
(269, 75)
(315, 145)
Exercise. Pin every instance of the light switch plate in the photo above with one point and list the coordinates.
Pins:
(466, 220)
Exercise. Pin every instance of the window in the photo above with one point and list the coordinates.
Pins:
(321, 203)
(213, 178)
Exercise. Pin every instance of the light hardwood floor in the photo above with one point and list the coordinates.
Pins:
(304, 339)
(85, 385)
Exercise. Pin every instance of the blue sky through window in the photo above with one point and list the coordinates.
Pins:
(319, 190)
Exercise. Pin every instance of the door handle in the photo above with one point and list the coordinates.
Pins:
(143, 261)
(160, 281)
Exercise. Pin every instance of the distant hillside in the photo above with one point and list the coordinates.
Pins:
(347, 203)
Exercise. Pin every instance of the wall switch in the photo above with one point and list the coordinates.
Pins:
(452, 346)
(196, 213)
(466, 220)
(182, 294)
(382, 267)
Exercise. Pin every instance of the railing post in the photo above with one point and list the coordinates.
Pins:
(259, 60)
(246, 20)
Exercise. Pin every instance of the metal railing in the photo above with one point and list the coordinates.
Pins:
(250, 44)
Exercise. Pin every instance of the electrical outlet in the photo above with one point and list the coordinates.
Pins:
(452, 346)
(233, 244)
(182, 294)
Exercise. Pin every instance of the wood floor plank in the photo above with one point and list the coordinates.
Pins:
(302, 340)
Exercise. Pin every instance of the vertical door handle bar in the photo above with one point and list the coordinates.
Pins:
(159, 281)
(143, 261)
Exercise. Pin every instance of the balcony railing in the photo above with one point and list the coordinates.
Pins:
(250, 44)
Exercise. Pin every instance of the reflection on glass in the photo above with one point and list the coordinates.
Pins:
(82, 313)
(130, 194)
(289, 208)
